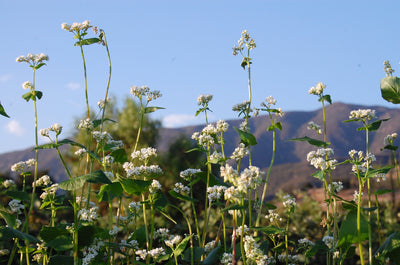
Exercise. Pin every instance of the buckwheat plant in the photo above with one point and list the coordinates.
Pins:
(35, 61)
(269, 106)
(362, 168)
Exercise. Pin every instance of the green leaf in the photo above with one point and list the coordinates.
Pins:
(246, 138)
(383, 170)
(390, 248)
(39, 65)
(160, 200)
(382, 191)
(109, 191)
(119, 156)
(270, 230)
(8, 233)
(61, 260)
(58, 144)
(181, 197)
(245, 62)
(277, 125)
(38, 94)
(97, 122)
(18, 195)
(50, 233)
(348, 230)
(390, 89)
(373, 126)
(182, 245)
(61, 243)
(151, 109)
(319, 246)
(326, 98)
(197, 253)
(135, 186)
(390, 147)
(3, 112)
(87, 41)
(85, 235)
(319, 175)
(27, 96)
(8, 216)
(213, 256)
(311, 141)
(78, 182)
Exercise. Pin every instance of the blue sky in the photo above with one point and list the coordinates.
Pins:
(184, 49)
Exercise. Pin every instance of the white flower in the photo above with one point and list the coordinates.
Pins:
(43, 181)
(272, 216)
(380, 177)
(114, 231)
(335, 187)
(209, 246)
(227, 259)
(305, 242)
(81, 152)
(56, 127)
(362, 114)
(313, 126)
(134, 206)
(186, 174)
(356, 195)
(162, 233)
(102, 103)
(8, 183)
(16, 206)
(222, 126)
(144, 154)
(173, 240)
(204, 99)
(88, 215)
(19, 167)
(329, 241)
(27, 85)
(108, 160)
(86, 124)
(155, 186)
(180, 188)
(318, 89)
(215, 192)
(240, 152)
(44, 132)
(289, 201)
(389, 139)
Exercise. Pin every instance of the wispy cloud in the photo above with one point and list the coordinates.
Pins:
(73, 85)
(4, 78)
(14, 127)
(180, 120)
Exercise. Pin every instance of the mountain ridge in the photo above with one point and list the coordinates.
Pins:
(290, 161)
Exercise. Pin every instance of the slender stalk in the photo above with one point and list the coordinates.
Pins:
(360, 189)
(108, 81)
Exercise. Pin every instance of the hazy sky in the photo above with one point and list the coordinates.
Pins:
(184, 49)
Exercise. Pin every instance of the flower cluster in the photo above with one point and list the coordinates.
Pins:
(180, 188)
(16, 206)
(114, 231)
(86, 124)
(245, 40)
(162, 233)
(76, 26)
(144, 154)
(187, 173)
(253, 251)
(329, 241)
(154, 253)
(43, 181)
(292, 259)
(102, 102)
(27, 85)
(215, 192)
(227, 258)
(240, 152)
(92, 251)
(318, 89)
(242, 107)
(203, 100)
(388, 68)
(142, 91)
(320, 159)
(23, 166)
(132, 171)
(50, 191)
(89, 215)
(173, 240)
(289, 201)
(360, 162)
(273, 216)
(56, 128)
(305, 242)
(134, 206)
(362, 114)
(155, 186)
(313, 126)
(206, 137)
(335, 187)
(389, 139)
(33, 59)
(8, 183)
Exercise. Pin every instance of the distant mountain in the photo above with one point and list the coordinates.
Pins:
(291, 169)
